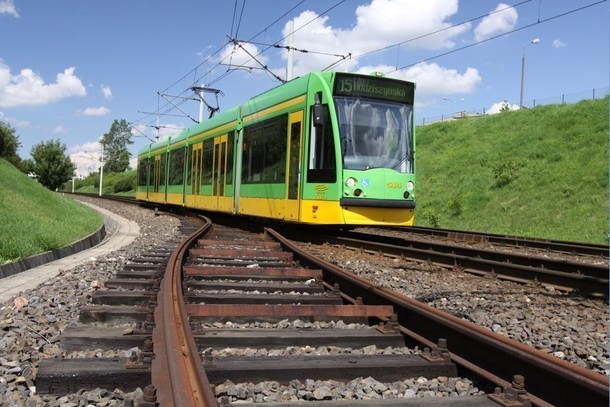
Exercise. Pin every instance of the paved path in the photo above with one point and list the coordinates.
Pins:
(119, 232)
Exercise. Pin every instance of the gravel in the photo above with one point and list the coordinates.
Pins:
(569, 327)
(31, 323)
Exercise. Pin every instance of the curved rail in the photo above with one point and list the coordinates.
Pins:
(548, 379)
(588, 279)
(521, 241)
(177, 369)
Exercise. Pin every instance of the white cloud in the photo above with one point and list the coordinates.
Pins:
(502, 19)
(557, 43)
(86, 157)
(8, 7)
(59, 129)
(29, 89)
(378, 24)
(168, 130)
(433, 78)
(498, 106)
(94, 111)
(241, 56)
(107, 92)
(385, 22)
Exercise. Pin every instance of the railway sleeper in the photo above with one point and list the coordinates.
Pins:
(160, 259)
(139, 274)
(133, 283)
(119, 314)
(115, 297)
(62, 376)
(241, 262)
(248, 286)
(238, 244)
(143, 267)
(285, 273)
(240, 254)
(462, 401)
(80, 338)
(218, 298)
(324, 367)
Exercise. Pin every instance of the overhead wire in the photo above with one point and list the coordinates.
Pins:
(419, 37)
(275, 45)
(297, 29)
(217, 52)
(500, 35)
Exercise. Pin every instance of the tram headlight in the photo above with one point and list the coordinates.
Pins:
(357, 192)
(350, 182)
(410, 186)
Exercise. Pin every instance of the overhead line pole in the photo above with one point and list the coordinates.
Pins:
(289, 66)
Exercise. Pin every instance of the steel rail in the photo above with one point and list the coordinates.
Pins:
(548, 379)
(177, 369)
(520, 241)
(588, 279)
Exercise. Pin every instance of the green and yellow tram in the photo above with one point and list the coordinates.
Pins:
(326, 148)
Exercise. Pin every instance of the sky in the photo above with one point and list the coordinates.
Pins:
(69, 68)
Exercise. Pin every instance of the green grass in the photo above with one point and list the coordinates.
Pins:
(112, 184)
(541, 173)
(34, 219)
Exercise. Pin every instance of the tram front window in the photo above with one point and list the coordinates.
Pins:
(375, 134)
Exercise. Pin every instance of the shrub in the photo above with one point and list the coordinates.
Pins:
(455, 206)
(125, 184)
(432, 217)
(505, 173)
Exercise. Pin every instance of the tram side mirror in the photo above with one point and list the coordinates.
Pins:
(318, 112)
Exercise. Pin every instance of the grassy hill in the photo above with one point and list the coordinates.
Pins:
(541, 172)
(34, 219)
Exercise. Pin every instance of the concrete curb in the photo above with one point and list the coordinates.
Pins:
(22, 265)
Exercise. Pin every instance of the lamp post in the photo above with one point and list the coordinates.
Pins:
(102, 170)
(534, 41)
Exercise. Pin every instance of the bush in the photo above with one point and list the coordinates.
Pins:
(505, 173)
(432, 217)
(455, 206)
(125, 184)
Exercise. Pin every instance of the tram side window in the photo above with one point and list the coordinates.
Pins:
(143, 173)
(176, 167)
(322, 166)
(264, 155)
(230, 148)
(208, 162)
(162, 170)
(189, 166)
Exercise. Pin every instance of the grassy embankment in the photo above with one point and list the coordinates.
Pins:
(112, 184)
(541, 173)
(34, 219)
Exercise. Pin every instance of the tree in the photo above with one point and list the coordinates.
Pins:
(116, 156)
(51, 164)
(9, 144)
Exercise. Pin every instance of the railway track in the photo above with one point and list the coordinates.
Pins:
(230, 279)
(585, 278)
(517, 241)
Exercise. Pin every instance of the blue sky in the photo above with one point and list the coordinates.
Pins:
(68, 68)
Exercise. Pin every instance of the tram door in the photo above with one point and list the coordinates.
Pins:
(195, 175)
(293, 166)
(219, 175)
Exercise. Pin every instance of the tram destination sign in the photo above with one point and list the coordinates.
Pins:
(374, 87)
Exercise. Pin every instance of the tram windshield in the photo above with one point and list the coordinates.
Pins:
(375, 134)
